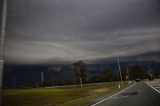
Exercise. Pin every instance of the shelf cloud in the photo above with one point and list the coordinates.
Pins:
(68, 30)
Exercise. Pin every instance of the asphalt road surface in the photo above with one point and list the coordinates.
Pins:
(155, 84)
(138, 94)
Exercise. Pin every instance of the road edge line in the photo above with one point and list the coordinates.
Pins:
(112, 95)
(153, 87)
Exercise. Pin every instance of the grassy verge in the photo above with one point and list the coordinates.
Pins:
(62, 96)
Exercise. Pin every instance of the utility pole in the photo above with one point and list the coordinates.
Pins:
(120, 70)
(148, 67)
(52, 81)
(2, 38)
(14, 82)
(42, 77)
(149, 70)
(128, 71)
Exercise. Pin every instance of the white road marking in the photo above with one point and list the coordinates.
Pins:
(111, 96)
(153, 87)
(157, 87)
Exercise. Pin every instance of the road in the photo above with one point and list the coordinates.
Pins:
(138, 94)
(155, 84)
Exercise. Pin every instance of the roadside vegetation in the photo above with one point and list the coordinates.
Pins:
(53, 93)
(108, 74)
(62, 96)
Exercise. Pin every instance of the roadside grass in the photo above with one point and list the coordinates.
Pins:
(61, 96)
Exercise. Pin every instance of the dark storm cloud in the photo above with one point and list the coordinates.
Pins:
(68, 30)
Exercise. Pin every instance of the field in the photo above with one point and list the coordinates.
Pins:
(56, 96)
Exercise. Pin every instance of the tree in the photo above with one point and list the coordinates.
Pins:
(124, 74)
(136, 72)
(109, 75)
(156, 74)
(95, 79)
(80, 70)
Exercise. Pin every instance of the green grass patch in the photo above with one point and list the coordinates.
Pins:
(63, 96)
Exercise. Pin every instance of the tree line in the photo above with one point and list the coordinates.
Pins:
(107, 75)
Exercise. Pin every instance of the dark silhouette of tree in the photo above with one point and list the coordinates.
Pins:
(95, 79)
(124, 74)
(156, 74)
(109, 75)
(80, 70)
(136, 72)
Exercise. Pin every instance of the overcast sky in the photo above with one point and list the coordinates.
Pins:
(39, 31)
